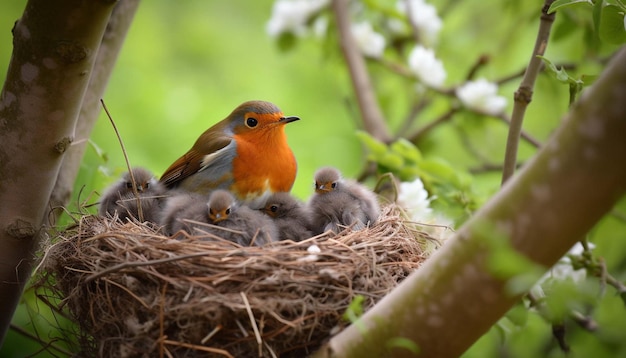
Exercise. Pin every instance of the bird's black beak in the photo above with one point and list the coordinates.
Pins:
(289, 119)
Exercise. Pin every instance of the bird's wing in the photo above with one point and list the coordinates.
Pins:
(194, 161)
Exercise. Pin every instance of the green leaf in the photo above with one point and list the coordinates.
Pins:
(506, 263)
(560, 74)
(354, 312)
(407, 149)
(99, 151)
(518, 314)
(438, 169)
(564, 3)
(597, 15)
(501, 331)
(401, 342)
(377, 147)
(391, 161)
(523, 282)
(355, 309)
(565, 27)
(612, 25)
(408, 173)
(588, 79)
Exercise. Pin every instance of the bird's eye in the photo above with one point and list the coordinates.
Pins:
(227, 211)
(251, 122)
(146, 185)
(274, 208)
(333, 185)
(129, 185)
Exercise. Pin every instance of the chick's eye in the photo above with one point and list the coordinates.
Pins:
(129, 185)
(227, 211)
(251, 122)
(333, 185)
(146, 185)
(274, 208)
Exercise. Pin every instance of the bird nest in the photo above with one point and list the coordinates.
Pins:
(133, 292)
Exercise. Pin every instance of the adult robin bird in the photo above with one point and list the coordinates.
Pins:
(120, 197)
(236, 223)
(246, 153)
(290, 216)
(339, 203)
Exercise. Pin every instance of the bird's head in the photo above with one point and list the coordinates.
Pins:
(143, 179)
(278, 204)
(326, 180)
(221, 205)
(253, 118)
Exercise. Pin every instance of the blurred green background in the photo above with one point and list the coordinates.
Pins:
(186, 65)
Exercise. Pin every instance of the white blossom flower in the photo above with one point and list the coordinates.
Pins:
(320, 26)
(425, 18)
(292, 16)
(427, 67)
(370, 42)
(563, 270)
(414, 199)
(482, 96)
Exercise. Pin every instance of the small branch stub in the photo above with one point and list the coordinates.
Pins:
(62, 145)
(21, 229)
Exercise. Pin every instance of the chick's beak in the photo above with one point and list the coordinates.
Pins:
(220, 215)
(322, 188)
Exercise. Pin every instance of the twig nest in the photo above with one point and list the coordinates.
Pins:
(136, 293)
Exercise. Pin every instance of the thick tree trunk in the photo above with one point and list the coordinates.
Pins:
(114, 36)
(55, 47)
(554, 200)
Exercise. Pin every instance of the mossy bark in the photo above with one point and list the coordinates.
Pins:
(55, 47)
(110, 47)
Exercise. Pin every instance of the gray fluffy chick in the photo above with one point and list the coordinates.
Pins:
(339, 203)
(291, 216)
(240, 224)
(120, 198)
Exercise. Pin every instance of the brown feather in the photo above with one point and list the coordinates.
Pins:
(209, 142)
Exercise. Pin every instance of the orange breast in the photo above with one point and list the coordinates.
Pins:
(264, 162)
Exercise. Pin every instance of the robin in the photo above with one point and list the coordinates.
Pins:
(339, 203)
(290, 216)
(120, 197)
(246, 153)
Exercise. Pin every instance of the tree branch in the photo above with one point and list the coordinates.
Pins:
(536, 212)
(524, 93)
(421, 132)
(372, 116)
(55, 47)
(522, 134)
(111, 44)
